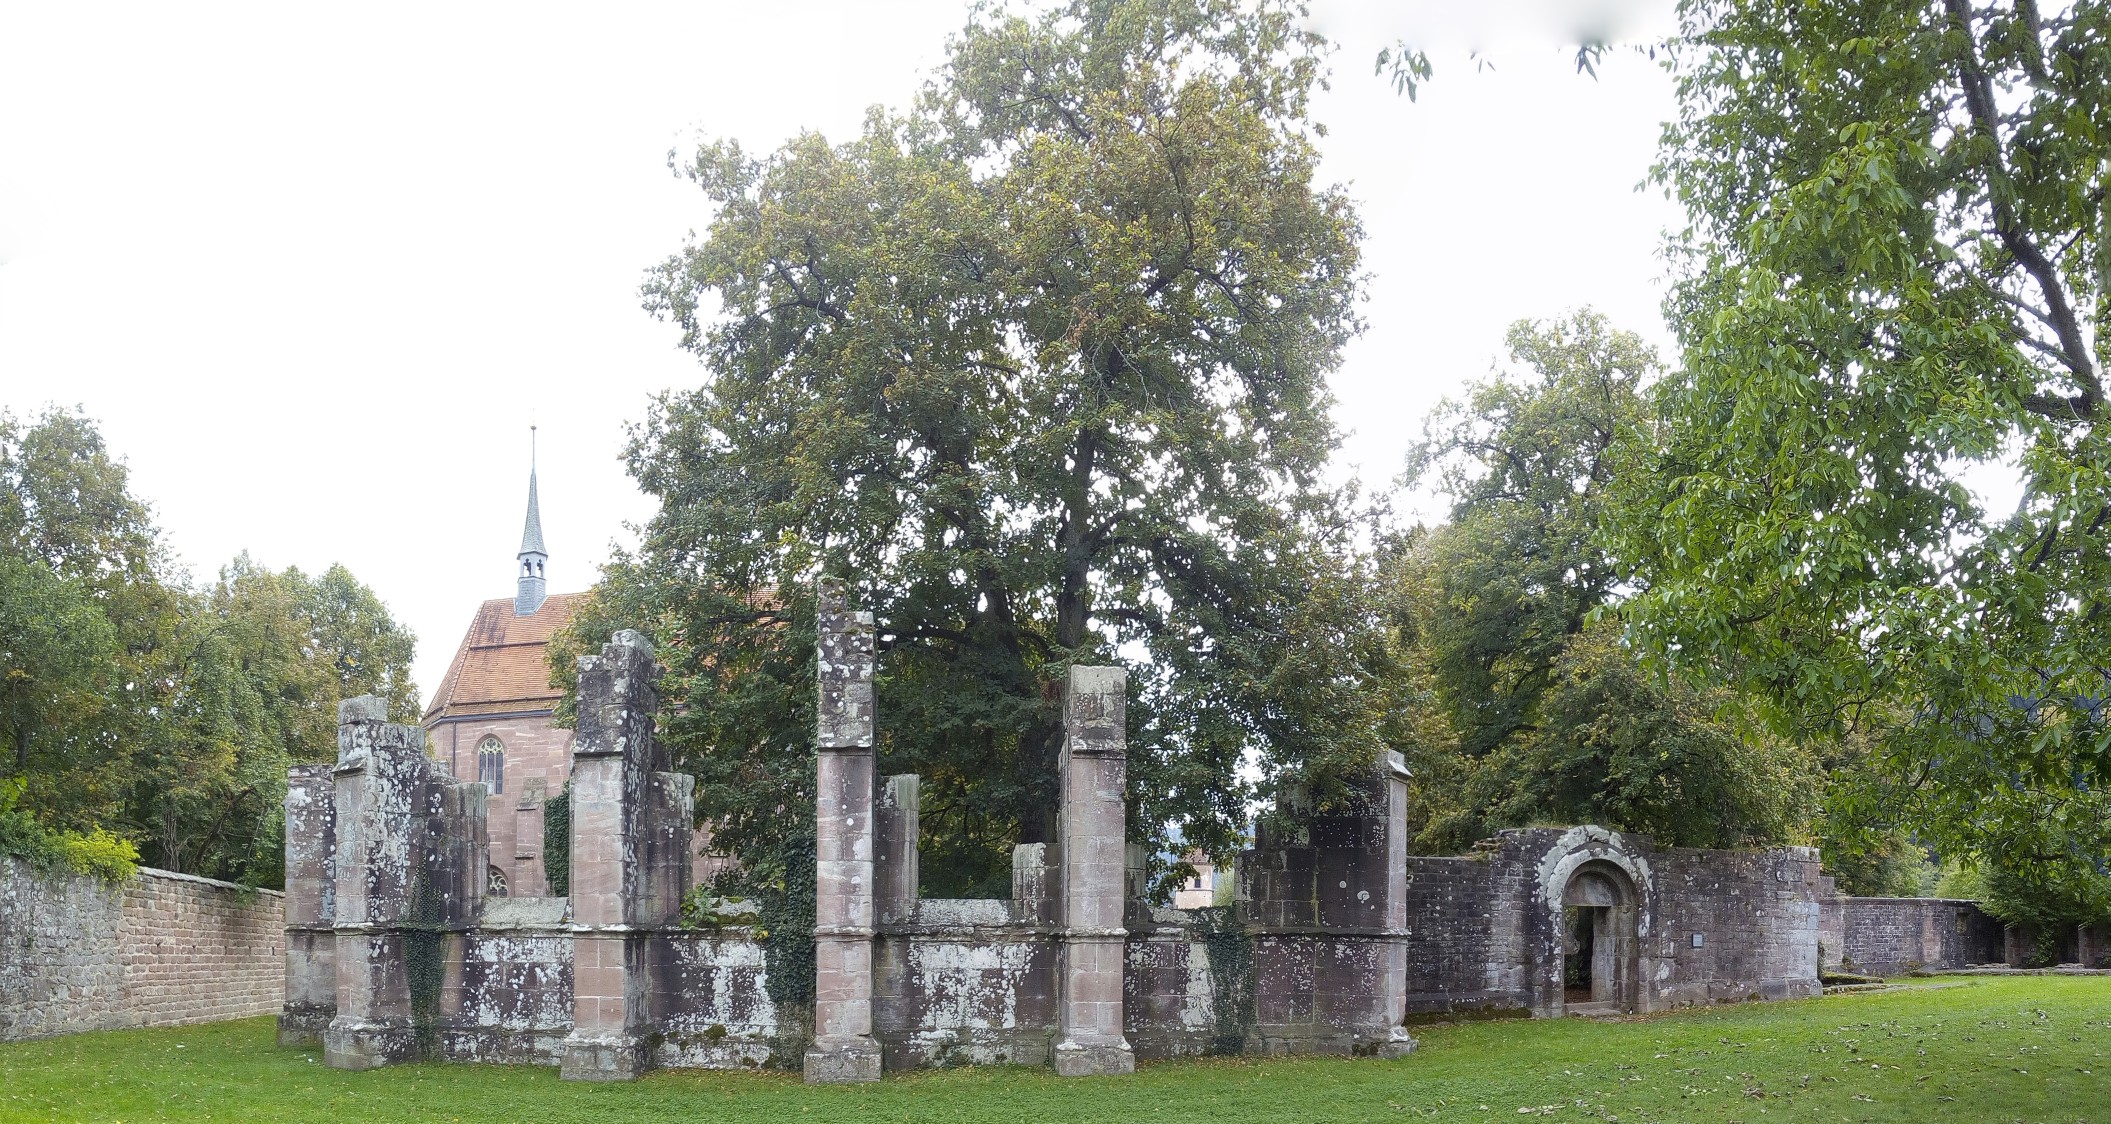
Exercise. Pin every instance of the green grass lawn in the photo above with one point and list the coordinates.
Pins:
(1976, 1050)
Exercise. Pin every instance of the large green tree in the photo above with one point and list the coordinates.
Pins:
(1897, 266)
(1545, 713)
(58, 669)
(1040, 365)
(131, 701)
(67, 511)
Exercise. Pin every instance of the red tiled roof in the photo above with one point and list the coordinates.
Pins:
(503, 666)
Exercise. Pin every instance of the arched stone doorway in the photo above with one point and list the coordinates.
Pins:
(1600, 946)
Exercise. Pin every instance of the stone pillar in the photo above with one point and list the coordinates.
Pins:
(1393, 1000)
(844, 1048)
(374, 802)
(630, 861)
(895, 827)
(2093, 946)
(1093, 774)
(2017, 943)
(311, 906)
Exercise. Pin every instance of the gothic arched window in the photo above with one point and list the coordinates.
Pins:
(491, 765)
(495, 882)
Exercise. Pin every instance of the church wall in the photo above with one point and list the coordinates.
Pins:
(538, 757)
(964, 982)
(1737, 925)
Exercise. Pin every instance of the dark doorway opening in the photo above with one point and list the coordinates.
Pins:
(1580, 926)
(1600, 969)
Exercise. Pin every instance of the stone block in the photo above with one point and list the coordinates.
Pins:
(842, 1063)
(1074, 1059)
(608, 1057)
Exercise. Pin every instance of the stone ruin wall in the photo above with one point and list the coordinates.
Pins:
(162, 949)
(1894, 936)
(1486, 938)
(1336, 941)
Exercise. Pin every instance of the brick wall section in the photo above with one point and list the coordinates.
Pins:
(162, 950)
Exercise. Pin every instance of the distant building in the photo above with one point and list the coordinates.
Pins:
(1199, 891)
(490, 720)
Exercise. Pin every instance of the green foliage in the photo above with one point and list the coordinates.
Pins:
(1039, 365)
(1897, 266)
(99, 854)
(786, 919)
(137, 705)
(557, 841)
(1958, 880)
(1887, 865)
(1233, 982)
(705, 908)
(1542, 715)
(2019, 895)
(95, 853)
(1525, 459)
(59, 664)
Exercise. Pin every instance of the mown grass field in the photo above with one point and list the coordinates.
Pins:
(1978, 1050)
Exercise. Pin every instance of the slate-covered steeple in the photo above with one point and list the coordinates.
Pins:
(533, 589)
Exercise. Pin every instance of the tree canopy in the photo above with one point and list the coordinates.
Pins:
(1543, 712)
(135, 705)
(1038, 364)
(1897, 267)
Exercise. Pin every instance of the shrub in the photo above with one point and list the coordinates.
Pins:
(98, 853)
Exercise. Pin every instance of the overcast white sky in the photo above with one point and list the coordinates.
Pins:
(314, 271)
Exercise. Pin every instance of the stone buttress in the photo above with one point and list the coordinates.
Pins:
(631, 824)
(844, 773)
(1092, 824)
(408, 872)
(311, 906)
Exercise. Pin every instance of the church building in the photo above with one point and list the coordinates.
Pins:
(491, 717)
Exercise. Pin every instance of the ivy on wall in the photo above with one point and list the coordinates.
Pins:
(423, 961)
(787, 926)
(557, 841)
(1231, 977)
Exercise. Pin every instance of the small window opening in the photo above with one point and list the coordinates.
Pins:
(491, 765)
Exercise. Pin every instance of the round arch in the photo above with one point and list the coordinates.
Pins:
(1594, 897)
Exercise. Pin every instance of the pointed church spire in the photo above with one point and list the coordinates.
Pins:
(533, 590)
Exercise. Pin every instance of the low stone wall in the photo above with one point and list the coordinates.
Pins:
(160, 950)
(1894, 936)
(1684, 925)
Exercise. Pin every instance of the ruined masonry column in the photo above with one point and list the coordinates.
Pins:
(375, 782)
(1394, 998)
(843, 1049)
(614, 762)
(1093, 772)
(311, 905)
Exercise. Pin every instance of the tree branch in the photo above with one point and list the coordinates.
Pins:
(1979, 101)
